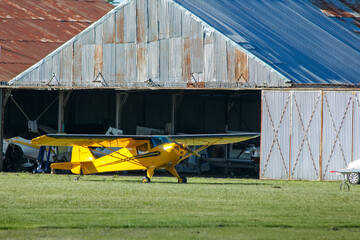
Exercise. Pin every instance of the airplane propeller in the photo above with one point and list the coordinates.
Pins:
(186, 148)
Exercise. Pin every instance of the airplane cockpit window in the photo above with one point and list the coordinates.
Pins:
(156, 141)
(143, 148)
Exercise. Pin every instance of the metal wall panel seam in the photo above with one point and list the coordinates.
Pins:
(290, 132)
(321, 136)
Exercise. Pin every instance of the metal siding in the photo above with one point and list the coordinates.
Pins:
(356, 130)
(337, 129)
(130, 22)
(55, 68)
(259, 74)
(241, 66)
(220, 58)
(87, 37)
(98, 61)
(109, 62)
(164, 60)
(275, 135)
(41, 73)
(119, 26)
(109, 29)
(175, 21)
(163, 19)
(230, 62)
(35, 75)
(66, 57)
(120, 63)
(197, 51)
(99, 33)
(305, 135)
(130, 63)
(153, 22)
(186, 25)
(175, 60)
(153, 62)
(186, 59)
(276, 79)
(141, 21)
(47, 69)
(209, 63)
(77, 62)
(87, 64)
(142, 62)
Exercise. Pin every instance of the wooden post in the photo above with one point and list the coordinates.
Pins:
(63, 99)
(173, 113)
(120, 102)
(61, 112)
(175, 103)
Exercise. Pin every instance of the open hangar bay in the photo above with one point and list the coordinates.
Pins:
(184, 66)
(138, 112)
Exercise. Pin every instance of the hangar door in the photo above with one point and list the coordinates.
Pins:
(305, 134)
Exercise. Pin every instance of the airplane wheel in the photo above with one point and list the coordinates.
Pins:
(353, 178)
(146, 180)
(344, 186)
(183, 179)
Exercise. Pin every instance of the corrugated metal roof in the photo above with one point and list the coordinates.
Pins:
(346, 12)
(29, 30)
(294, 37)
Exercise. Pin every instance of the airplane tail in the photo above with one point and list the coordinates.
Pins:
(84, 162)
(80, 157)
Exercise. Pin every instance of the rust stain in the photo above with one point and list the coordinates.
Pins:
(141, 62)
(98, 61)
(230, 64)
(195, 85)
(186, 60)
(140, 23)
(120, 26)
(332, 9)
(30, 30)
(241, 66)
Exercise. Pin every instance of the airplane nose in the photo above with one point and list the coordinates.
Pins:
(172, 147)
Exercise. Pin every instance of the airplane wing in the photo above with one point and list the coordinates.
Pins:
(212, 139)
(125, 140)
(87, 140)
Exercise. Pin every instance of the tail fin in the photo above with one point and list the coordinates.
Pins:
(81, 154)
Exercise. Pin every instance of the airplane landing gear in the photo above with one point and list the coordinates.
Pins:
(344, 186)
(146, 180)
(182, 179)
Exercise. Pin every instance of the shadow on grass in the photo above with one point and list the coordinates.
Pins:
(119, 180)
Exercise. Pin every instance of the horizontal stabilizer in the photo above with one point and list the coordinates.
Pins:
(73, 167)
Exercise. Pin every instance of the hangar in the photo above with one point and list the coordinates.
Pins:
(280, 67)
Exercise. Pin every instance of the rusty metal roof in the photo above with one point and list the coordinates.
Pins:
(31, 29)
(345, 12)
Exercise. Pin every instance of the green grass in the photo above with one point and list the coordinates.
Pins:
(105, 207)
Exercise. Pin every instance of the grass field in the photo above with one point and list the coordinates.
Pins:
(106, 207)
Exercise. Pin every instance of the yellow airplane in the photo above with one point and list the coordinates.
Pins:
(133, 152)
